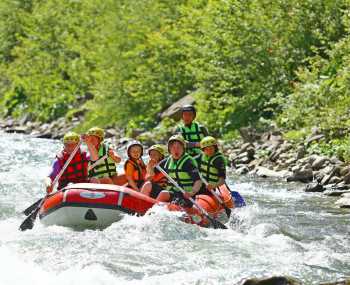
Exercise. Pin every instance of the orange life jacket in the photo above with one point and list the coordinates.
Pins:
(139, 171)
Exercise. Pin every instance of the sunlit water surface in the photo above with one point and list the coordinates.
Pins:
(282, 231)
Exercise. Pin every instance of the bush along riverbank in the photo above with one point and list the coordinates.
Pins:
(267, 154)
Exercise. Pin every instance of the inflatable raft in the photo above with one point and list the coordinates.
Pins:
(88, 205)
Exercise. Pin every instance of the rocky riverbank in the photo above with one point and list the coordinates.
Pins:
(265, 154)
(268, 154)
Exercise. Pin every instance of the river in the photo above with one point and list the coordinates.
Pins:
(282, 231)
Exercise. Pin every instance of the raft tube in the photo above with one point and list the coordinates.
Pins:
(89, 205)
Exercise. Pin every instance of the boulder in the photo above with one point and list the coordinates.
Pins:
(339, 282)
(344, 201)
(249, 134)
(335, 192)
(346, 178)
(301, 151)
(319, 162)
(265, 172)
(344, 171)
(325, 180)
(275, 280)
(17, 130)
(314, 138)
(314, 187)
(303, 175)
(174, 111)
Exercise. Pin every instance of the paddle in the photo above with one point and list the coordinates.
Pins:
(28, 223)
(216, 224)
(217, 197)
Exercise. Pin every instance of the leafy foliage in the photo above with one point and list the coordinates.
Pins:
(126, 61)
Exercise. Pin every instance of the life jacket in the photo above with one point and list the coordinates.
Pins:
(76, 171)
(107, 167)
(175, 171)
(206, 166)
(139, 172)
(160, 179)
(192, 133)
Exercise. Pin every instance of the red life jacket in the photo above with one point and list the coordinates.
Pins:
(76, 171)
(139, 173)
(159, 179)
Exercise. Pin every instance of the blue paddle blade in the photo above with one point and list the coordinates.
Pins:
(239, 201)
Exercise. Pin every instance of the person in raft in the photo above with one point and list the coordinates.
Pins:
(134, 167)
(192, 131)
(103, 158)
(155, 180)
(183, 169)
(77, 169)
(211, 163)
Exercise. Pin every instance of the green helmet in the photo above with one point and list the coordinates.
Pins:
(178, 138)
(71, 137)
(158, 147)
(208, 141)
(96, 131)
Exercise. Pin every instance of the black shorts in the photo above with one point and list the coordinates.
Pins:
(178, 198)
(156, 189)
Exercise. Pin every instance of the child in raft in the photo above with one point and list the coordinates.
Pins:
(134, 167)
(155, 180)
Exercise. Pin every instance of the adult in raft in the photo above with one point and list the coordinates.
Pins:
(77, 169)
(183, 169)
(155, 180)
(192, 131)
(103, 158)
(211, 163)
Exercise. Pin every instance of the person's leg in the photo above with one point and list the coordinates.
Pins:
(94, 180)
(105, 180)
(119, 179)
(164, 196)
(146, 188)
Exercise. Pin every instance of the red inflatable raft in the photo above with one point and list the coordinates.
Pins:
(88, 205)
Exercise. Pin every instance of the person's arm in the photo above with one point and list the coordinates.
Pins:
(55, 169)
(129, 170)
(150, 171)
(114, 156)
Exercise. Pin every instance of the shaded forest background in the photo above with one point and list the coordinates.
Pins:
(248, 62)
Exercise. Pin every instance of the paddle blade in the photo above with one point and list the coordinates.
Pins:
(32, 207)
(239, 201)
(28, 223)
(228, 211)
(216, 224)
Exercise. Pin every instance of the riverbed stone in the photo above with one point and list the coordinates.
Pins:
(275, 280)
(319, 162)
(344, 201)
(345, 281)
(303, 175)
(174, 111)
(314, 187)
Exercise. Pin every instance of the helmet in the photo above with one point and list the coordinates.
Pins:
(208, 141)
(158, 147)
(71, 137)
(188, 108)
(95, 131)
(178, 138)
(132, 143)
